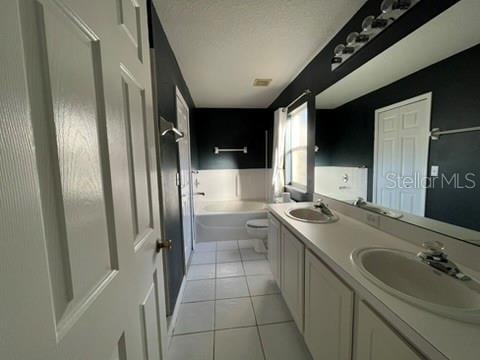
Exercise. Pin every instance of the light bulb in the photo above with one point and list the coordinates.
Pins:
(339, 49)
(387, 6)
(352, 38)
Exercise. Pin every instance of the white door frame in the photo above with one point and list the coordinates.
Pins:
(428, 98)
(180, 97)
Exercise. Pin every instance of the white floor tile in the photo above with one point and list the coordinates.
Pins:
(199, 290)
(262, 285)
(230, 269)
(238, 344)
(251, 254)
(228, 256)
(270, 309)
(195, 317)
(283, 342)
(204, 258)
(231, 288)
(260, 267)
(227, 245)
(206, 246)
(245, 244)
(196, 272)
(191, 347)
(233, 313)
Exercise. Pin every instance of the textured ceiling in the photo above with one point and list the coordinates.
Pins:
(223, 45)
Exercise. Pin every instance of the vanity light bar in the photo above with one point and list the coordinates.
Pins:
(372, 26)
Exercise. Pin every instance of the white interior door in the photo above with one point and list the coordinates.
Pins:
(401, 155)
(79, 212)
(185, 174)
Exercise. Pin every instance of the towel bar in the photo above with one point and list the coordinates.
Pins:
(217, 150)
(436, 133)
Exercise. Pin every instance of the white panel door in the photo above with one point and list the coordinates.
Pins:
(386, 162)
(377, 341)
(328, 312)
(141, 132)
(292, 278)
(185, 175)
(401, 142)
(79, 193)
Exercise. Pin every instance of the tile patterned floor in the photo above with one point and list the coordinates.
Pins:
(232, 309)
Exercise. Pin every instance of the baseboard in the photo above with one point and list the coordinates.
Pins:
(172, 319)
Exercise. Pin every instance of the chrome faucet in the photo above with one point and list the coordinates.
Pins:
(319, 204)
(435, 257)
(360, 202)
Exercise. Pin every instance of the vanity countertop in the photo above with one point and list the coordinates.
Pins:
(334, 242)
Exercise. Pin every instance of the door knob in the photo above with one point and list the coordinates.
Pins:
(164, 244)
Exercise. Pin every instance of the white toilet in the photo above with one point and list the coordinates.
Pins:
(258, 231)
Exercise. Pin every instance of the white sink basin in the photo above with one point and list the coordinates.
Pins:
(403, 275)
(311, 215)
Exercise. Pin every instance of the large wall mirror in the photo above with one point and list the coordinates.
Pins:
(402, 131)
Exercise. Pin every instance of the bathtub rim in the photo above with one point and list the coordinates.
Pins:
(200, 207)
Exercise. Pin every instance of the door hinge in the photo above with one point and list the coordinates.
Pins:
(177, 179)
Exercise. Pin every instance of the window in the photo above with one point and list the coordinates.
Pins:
(296, 148)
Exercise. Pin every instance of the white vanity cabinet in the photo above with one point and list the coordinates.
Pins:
(274, 247)
(329, 307)
(376, 340)
(292, 275)
(335, 321)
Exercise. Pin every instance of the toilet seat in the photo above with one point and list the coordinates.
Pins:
(258, 230)
(258, 224)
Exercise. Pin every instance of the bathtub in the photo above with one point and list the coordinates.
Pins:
(225, 220)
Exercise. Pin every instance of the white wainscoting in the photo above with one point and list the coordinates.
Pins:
(340, 182)
(233, 184)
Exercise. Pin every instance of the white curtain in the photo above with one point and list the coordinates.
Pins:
(278, 155)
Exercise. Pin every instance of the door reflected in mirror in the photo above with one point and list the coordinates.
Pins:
(403, 130)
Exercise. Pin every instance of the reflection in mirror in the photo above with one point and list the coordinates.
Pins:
(373, 129)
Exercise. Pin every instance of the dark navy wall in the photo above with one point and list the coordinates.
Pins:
(232, 128)
(317, 75)
(345, 136)
(167, 76)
